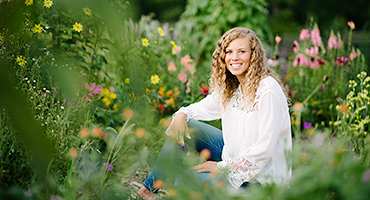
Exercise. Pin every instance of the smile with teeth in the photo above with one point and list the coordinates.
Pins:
(235, 65)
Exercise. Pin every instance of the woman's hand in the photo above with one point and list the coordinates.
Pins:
(178, 128)
(209, 166)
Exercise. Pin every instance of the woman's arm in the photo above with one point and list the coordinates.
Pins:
(206, 109)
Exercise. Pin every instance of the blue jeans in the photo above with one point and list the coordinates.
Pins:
(169, 162)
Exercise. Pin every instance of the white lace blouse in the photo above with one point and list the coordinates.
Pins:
(257, 136)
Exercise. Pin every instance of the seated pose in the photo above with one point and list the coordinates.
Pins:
(250, 100)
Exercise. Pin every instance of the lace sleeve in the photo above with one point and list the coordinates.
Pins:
(239, 171)
(188, 111)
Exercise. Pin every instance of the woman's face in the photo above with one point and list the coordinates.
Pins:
(237, 57)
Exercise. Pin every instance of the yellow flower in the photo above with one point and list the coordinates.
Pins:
(1, 36)
(48, 3)
(21, 61)
(155, 79)
(169, 93)
(161, 91)
(115, 107)
(172, 101)
(160, 31)
(145, 42)
(87, 11)
(106, 101)
(174, 46)
(177, 91)
(147, 90)
(106, 92)
(112, 95)
(28, 2)
(37, 28)
(77, 27)
(127, 81)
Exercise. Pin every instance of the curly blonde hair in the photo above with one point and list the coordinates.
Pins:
(226, 83)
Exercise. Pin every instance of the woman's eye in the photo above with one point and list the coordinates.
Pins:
(228, 52)
(242, 51)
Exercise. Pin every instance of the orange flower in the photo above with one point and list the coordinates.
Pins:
(353, 55)
(298, 106)
(73, 152)
(169, 93)
(205, 153)
(140, 132)
(343, 108)
(219, 184)
(97, 132)
(351, 24)
(127, 113)
(161, 91)
(158, 184)
(84, 133)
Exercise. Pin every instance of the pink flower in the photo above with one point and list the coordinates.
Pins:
(340, 61)
(188, 86)
(304, 35)
(333, 43)
(93, 89)
(88, 98)
(176, 50)
(182, 77)
(313, 51)
(171, 67)
(186, 61)
(315, 37)
(301, 60)
(296, 46)
(277, 39)
(272, 63)
(353, 55)
(313, 63)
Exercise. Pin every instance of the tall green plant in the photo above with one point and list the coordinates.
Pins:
(353, 114)
(203, 23)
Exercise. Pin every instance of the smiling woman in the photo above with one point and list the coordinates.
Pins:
(237, 58)
(256, 135)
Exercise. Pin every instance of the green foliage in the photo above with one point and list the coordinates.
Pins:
(206, 21)
(179, 81)
(353, 114)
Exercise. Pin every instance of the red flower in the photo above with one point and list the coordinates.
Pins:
(205, 91)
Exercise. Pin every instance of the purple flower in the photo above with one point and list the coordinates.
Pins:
(93, 89)
(27, 193)
(322, 87)
(307, 125)
(366, 176)
(109, 166)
